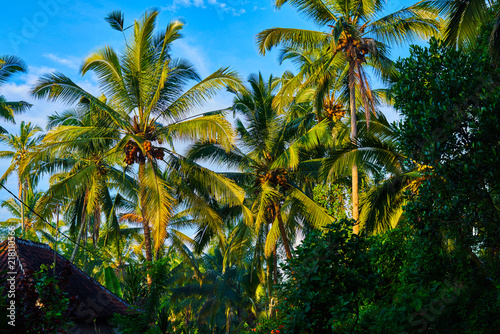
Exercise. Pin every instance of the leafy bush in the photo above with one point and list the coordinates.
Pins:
(449, 99)
(328, 281)
(266, 325)
(42, 304)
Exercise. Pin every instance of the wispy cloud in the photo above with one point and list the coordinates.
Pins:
(68, 61)
(19, 90)
(177, 4)
(194, 54)
(257, 7)
(234, 7)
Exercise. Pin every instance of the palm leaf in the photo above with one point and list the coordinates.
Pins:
(290, 38)
(116, 20)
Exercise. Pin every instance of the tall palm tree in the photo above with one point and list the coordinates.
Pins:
(464, 18)
(147, 103)
(34, 228)
(174, 236)
(21, 146)
(228, 286)
(269, 158)
(117, 239)
(10, 65)
(355, 36)
(376, 151)
(15, 209)
(83, 173)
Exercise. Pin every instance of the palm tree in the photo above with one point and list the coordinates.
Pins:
(376, 151)
(269, 159)
(10, 65)
(228, 285)
(34, 228)
(117, 239)
(174, 236)
(21, 146)
(465, 18)
(83, 171)
(355, 37)
(15, 209)
(147, 103)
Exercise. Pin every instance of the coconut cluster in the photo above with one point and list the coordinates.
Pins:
(335, 111)
(276, 177)
(133, 154)
(152, 151)
(281, 179)
(102, 170)
(350, 44)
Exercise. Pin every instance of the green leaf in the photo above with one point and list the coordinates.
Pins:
(111, 281)
(115, 20)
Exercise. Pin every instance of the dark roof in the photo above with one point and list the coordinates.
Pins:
(95, 300)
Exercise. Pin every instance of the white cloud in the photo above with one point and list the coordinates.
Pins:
(20, 91)
(193, 54)
(176, 4)
(69, 61)
(220, 7)
(256, 7)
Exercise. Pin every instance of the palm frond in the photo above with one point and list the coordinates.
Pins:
(419, 20)
(289, 38)
(10, 65)
(214, 128)
(381, 206)
(463, 19)
(116, 20)
(309, 209)
(319, 11)
(197, 95)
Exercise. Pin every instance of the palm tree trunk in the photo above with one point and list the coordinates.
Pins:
(275, 281)
(284, 237)
(57, 234)
(78, 239)
(354, 135)
(147, 239)
(85, 254)
(147, 230)
(21, 193)
(145, 222)
(269, 287)
(270, 283)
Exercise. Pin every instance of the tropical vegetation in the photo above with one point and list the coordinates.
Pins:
(299, 208)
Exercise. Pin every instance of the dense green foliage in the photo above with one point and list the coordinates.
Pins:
(267, 247)
(44, 306)
(451, 125)
(327, 281)
(437, 272)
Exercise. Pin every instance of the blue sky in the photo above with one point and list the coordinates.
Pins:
(55, 35)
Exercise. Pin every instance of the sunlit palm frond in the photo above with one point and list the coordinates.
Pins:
(463, 19)
(201, 92)
(382, 205)
(58, 87)
(416, 21)
(288, 37)
(214, 128)
(10, 65)
(319, 11)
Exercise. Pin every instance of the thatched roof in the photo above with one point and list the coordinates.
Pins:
(96, 302)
